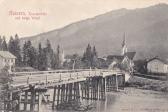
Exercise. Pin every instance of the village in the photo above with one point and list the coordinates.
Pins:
(145, 74)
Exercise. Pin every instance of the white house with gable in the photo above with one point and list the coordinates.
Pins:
(157, 65)
(7, 59)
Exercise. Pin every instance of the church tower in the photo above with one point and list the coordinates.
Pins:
(124, 47)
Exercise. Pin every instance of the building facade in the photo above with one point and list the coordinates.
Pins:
(7, 59)
(157, 65)
(123, 61)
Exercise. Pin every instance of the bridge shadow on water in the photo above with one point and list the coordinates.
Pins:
(86, 105)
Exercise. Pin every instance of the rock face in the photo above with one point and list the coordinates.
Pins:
(146, 32)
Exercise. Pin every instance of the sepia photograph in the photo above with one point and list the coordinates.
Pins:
(83, 55)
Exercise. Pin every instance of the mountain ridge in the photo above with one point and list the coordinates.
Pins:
(106, 31)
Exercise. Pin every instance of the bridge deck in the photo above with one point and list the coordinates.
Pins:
(57, 77)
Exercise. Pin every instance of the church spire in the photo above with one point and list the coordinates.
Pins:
(124, 47)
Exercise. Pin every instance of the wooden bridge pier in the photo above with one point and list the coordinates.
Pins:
(65, 95)
(69, 95)
(115, 82)
(23, 101)
(93, 88)
(30, 100)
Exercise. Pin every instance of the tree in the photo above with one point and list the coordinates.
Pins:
(94, 57)
(30, 55)
(74, 62)
(17, 50)
(48, 54)
(5, 80)
(14, 48)
(4, 44)
(90, 57)
(59, 57)
(11, 46)
(40, 57)
(25, 54)
(54, 61)
(87, 56)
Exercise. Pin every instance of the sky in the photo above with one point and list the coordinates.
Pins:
(48, 15)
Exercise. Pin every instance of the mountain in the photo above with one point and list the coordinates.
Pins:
(146, 31)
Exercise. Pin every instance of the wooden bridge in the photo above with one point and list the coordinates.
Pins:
(68, 86)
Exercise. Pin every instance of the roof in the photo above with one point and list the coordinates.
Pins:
(101, 59)
(117, 57)
(6, 54)
(130, 55)
(157, 58)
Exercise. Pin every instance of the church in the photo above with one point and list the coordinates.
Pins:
(123, 61)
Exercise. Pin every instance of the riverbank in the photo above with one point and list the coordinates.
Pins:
(148, 84)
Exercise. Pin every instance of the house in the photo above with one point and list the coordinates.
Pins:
(114, 61)
(123, 61)
(157, 65)
(7, 59)
(128, 62)
(101, 63)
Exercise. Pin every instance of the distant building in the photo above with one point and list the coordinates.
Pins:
(114, 61)
(123, 61)
(101, 63)
(157, 65)
(7, 59)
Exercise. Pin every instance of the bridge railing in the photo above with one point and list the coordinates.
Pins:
(55, 76)
(58, 71)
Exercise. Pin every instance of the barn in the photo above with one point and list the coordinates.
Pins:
(157, 65)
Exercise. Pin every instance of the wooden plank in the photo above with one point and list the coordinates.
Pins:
(25, 100)
(54, 95)
(32, 104)
(58, 96)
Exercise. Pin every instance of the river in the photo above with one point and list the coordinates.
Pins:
(128, 100)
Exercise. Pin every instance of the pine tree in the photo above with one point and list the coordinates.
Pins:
(11, 46)
(41, 58)
(48, 54)
(14, 48)
(94, 57)
(59, 60)
(17, 51)
(88, 56)
(4, 44)
(30, 55)
(25, 54)
(54, 61)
